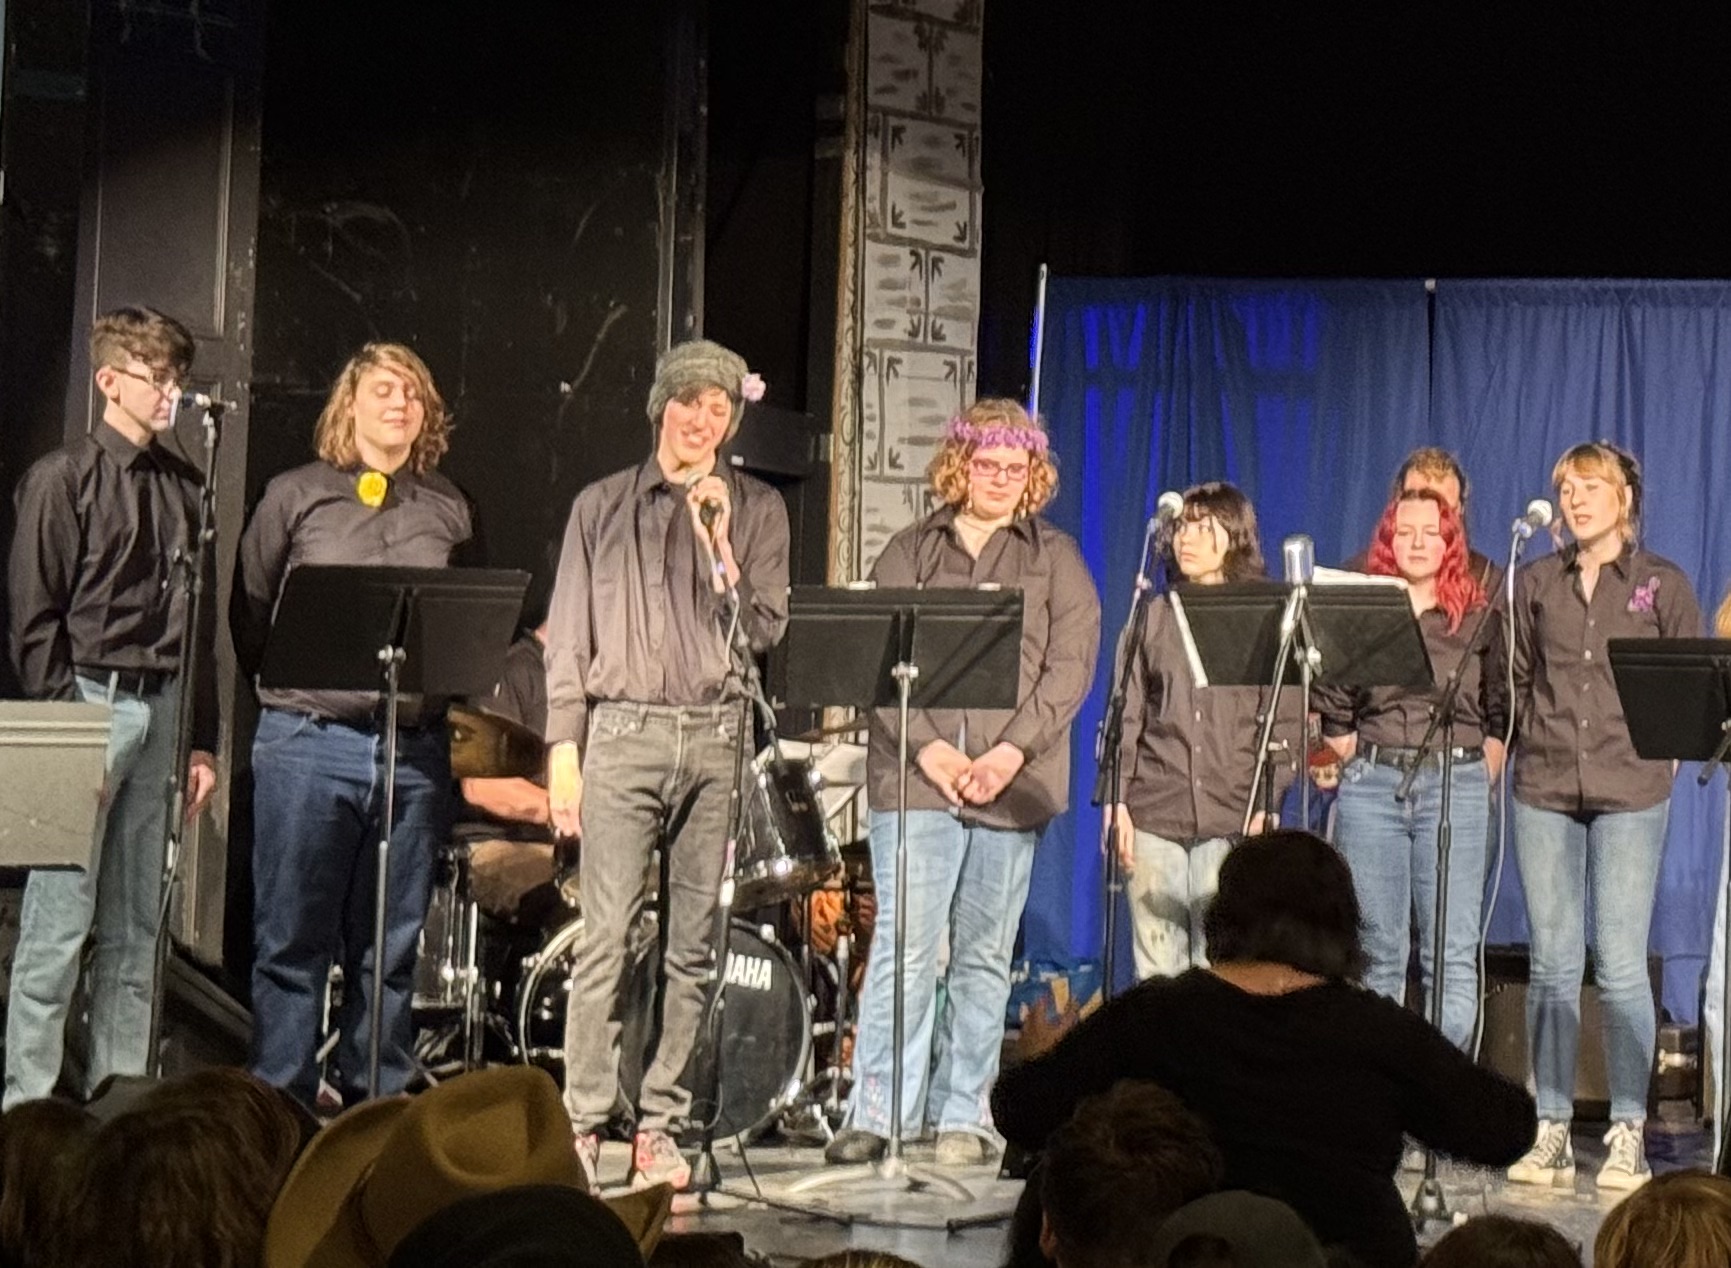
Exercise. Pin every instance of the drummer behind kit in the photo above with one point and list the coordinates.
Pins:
(493, 981)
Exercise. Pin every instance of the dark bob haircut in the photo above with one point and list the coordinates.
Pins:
(1236, 517)
(1287, 897)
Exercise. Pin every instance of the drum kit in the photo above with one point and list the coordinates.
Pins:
(493, 977)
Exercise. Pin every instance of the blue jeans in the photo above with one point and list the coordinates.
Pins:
(972, 883)
(1391, 848)
(1617, 854)
(114, 905)
(1170, 889)
(318, 796)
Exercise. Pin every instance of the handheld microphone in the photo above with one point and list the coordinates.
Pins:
(1168, 508)
(1298, 559)
(1539, 515)
(709, 510)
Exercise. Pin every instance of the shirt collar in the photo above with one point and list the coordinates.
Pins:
(651, 477)
(122, 450)
(1623, 563)
(944, 520)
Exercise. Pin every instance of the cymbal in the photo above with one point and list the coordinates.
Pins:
(854, 726)
(487, 746)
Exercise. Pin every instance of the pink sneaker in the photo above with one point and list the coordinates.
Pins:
(655, 1159)
(589, 1155)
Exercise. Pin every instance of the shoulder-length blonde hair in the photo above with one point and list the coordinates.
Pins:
(1603, 460)
(948, 471)
(1681, 1219)
(334, 437)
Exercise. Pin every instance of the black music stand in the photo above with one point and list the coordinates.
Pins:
(1676, 698)
(1242, 635)
(429, 631)
(907, 649)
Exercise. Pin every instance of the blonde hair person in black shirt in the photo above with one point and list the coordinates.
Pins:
(1189, 753)
(1588, 812)
(97, 615)
(317, 756)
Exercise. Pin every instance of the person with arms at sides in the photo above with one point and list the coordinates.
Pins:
(986, 782)
(98, 614)
(1439, 471)
(1305, 1080)
(645, 710)
(1391, 846)
(1588, 813)
(372, 498)
(1189, 753)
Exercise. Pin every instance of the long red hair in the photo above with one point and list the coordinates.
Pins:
(1457, 590)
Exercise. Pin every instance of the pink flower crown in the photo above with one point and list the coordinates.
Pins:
(996, 436)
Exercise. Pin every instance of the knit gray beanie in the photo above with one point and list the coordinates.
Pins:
(694, 366)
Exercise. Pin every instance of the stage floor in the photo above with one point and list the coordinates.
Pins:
(936, 1230)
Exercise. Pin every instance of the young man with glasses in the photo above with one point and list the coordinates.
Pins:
(97, 614)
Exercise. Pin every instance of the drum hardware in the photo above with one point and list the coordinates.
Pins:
(786, 848)
(487, 746)
(853, 726)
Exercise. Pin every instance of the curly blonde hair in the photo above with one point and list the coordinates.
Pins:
(948, 471)
(334, 437)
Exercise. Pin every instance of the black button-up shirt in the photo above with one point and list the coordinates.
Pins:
(1060, 640)
(1189, 752)
(92, 582)
(634, 615)
(313, 515)
(1572, 750)
(1399, 716)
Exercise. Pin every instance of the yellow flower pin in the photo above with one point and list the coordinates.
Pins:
(371, 489)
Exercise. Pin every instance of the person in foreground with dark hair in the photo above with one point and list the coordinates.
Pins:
(1305, 1080)
(1502, 1241)
(1124, 1162)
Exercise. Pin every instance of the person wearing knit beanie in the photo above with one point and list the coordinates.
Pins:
(686, 369)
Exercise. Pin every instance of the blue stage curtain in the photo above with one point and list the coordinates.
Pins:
(1305, 394)
(1521, 371)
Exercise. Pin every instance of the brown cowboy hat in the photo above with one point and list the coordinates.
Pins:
(368, 1179)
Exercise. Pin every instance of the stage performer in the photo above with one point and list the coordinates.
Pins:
(1391, 845)
(97, 614)
(1189, 752)
(645, 716)
(372, 498)
(986, 782)
(1589, 813)
(1440, 471)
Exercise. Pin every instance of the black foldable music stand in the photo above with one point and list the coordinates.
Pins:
(1676, 698)
(907, 649)
(1243, 634)
(428, 631)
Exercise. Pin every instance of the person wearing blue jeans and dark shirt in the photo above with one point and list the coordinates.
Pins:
(1589, 813)
(372, 498)
(986, 782)
(97, 615)
(1391, 846)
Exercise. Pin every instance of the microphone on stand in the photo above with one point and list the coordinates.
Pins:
(1298, 559)
(1168, 508)
(1539, 515)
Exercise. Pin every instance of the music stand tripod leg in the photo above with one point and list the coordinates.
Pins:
(391, 657)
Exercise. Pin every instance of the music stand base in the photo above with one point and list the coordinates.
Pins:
(1428, 1204)
(889, 1173)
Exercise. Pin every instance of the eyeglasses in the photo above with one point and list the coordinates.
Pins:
(162, 380)
(986, 469)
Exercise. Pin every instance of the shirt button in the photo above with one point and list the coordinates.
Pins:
(1592, 624)
(1588, 654)
(1199, 715)
(1583, 724)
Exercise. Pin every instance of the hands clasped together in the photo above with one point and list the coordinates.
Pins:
(964, 780)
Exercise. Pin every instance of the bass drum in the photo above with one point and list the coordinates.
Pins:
(765, 1027)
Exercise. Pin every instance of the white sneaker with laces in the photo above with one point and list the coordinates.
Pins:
(1626, 1163)
(1550, 1161)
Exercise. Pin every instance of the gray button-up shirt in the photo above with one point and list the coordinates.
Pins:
(1189, 752)
(1060, 641)
(634, 616)
(1572, 748)
(1398, 717)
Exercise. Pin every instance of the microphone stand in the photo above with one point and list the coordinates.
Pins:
(1429, 1204)
(1108, 746)
(188, 565)
(1297, 643)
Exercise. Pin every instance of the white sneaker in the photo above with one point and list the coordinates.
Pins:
(1626, 1164)
(1550, 1161)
